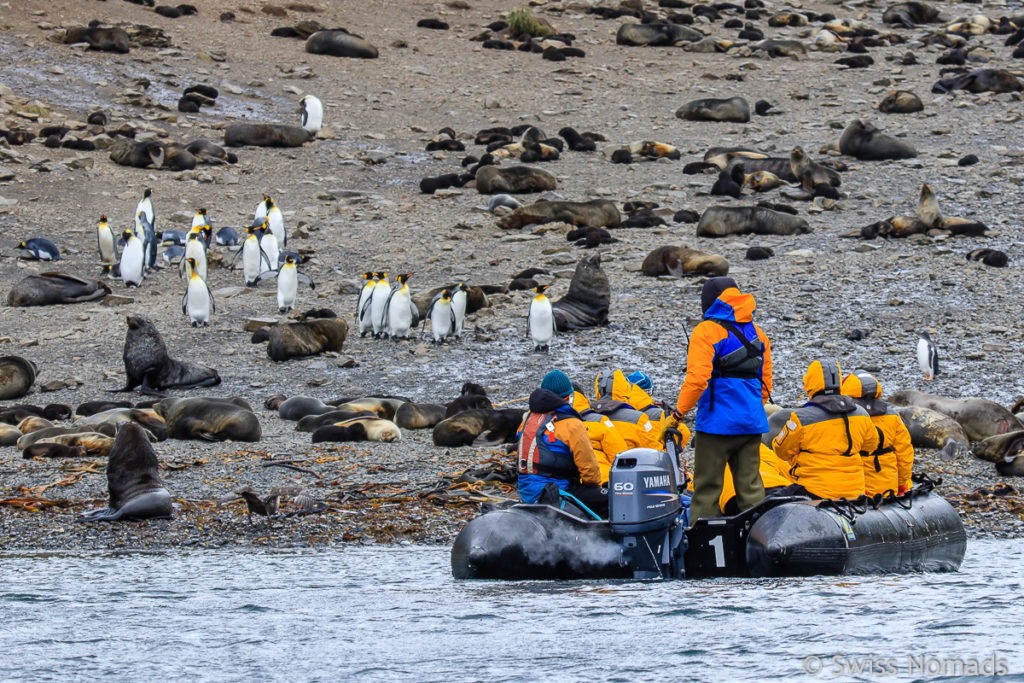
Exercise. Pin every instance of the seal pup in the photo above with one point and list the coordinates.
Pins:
(867, 143)
(149, 367)
(587, 302)
(209, 419)
(133, 480)
(681, 261)
(17, 375)
(311, 423)
(50, 288)
(373, 429)
(990, 257)
(900, 102)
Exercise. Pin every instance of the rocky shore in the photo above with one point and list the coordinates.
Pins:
(352, 203)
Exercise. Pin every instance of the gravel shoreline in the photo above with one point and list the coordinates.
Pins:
(353, 200)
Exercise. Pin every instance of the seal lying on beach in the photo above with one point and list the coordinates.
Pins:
(513, 179)
(17, 376)
(587, 301)
(719, 221)
(733, 109)
(982, 80)
(680, 261)
(478, 427)
(368, 428)
(1001, 449)
(419, 415)
(102, 38)
(597, 213)
(979, 417)
(133, 480)
(900, 102)
(298, 407)
(266, 135)
(50, 288)
(149, 367)
(867, 143)
(340, 43)
(149, 419)
(210, 419)
(636, 35)
(308, 338)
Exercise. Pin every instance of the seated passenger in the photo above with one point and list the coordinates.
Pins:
(624, 404)
(604, 438)
(888, 468)
(773, 477)
(822, 440)
(554, 448)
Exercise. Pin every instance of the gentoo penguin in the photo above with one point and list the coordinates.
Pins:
(39, 248)
(197, 303)
(276, 222)
(311, 110)
(441, 315)
(927, 356)
(400, 313)
(133, 259)
(106, 244)
(253, 257)
(288, 278)
(378, 300)
(194, 258)
(227, 237)
(145, 225)
(541, 320)
(261, 210)
(363, 307)
(270, 245)
(459, 308)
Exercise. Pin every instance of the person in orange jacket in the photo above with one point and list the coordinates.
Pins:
(615, 400)
(554, 448)
(823, 440)
(728, 379)
(889, 467)
(604, 437)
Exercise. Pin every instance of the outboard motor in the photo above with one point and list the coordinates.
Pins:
(644, 512)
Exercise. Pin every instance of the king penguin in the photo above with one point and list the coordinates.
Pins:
(459, 300)
(311, 111)
(363, 306)
(400, 313)
(541, 320)
(145, 227)
(253, 257)
(133, 258)
(261, 210)
(39, 248)
(927, 356)
(288, 278)
(378, 300)
(271, 246)
(197, 303)
(107, 245)
(441, 315)
(194, 258)
(201, 225)
(276, 222)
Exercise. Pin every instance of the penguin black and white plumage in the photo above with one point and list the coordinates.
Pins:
(363, 305)
(459, 301)
(270, 245)
(174, 254)
(133, 260)
(275, 220)
(311, 111)
(288, 278)
(106, 243)
(227, 237)
(194, 258)
(261, 210)
(378, 300)
(441, 316)
(145, 227)
(39, 248)
(169, 237)
(197, 303)
(201, 226)
(541, 320)
(254, 259)
(927, 356)
(400, 313)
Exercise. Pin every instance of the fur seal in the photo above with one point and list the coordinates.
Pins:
(46, 289)
(92, 407)
(910, 14)
(471, 397)
(12, 415)
(298, 407)
(931, 429)
(210, 419)
(376, 429)
(340, 43)
(9, 434)
(929, 216)
(867, 143)
(33, 423)
(308, 338)
(597, 213)
(478, 427)
(381, 406)
(979, 417)
(104, 39)
(981, 80)
(17, 376)
(96, 444)
(990, 257)
(733, 109)
(638, 35)
(310, 423)
(588, 299)
(133, 480)
(719, 221)
(137, 154)
(419, 415)
(680, 261)
(811, 175)
(513, 179)
(265, 135)
(780, 48)
(148, 365)
(149, 419)
(335, 434)
(900, 102)
(1001, 449)
(53, 450)
(206, 152)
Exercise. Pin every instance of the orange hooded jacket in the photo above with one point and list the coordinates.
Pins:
(890, 465)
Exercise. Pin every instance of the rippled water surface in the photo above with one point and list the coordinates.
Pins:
(396, 613)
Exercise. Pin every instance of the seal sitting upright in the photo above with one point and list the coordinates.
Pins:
(133, 480)
(150, 367)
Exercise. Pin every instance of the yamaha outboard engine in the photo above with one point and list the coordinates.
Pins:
(644, 512)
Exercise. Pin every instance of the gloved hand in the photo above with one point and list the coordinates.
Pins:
(902, 490)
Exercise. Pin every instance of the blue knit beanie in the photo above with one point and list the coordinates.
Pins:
(557, 382)
(642, 380)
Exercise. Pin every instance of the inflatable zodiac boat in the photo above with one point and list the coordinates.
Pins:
(646, 535)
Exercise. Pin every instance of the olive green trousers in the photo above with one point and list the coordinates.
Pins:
(742, 452)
